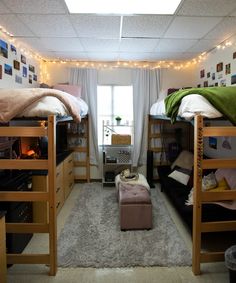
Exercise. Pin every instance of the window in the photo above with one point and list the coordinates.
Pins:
(114, 101)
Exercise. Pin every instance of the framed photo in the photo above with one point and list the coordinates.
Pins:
(8, 69)
(208, 74)
(227, 69)
(213, 142)
(3, 49)
(199, 85)
(23, 59)
(31, 68)
(202, 73)
(18, 79)
(213, 76)
(205, 84)
(30, 79)
(13, 49)
(16, 65)
(35, 77)
(216, 84)
(24, 72)
(0, 72)
(219, 67)
(234, 55)
(233, 79)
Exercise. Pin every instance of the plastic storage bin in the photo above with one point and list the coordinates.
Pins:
(230, 262)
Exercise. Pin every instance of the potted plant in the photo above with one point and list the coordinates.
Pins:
(118, 119)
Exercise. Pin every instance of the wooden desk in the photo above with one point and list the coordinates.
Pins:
(3, 263)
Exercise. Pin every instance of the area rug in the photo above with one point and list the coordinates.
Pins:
(91, 236)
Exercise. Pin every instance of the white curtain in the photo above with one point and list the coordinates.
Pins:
(87, 78)
(146, 88)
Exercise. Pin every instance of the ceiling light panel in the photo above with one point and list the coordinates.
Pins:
(123, 7)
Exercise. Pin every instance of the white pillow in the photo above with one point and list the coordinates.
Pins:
(181, 175)
(184, 160)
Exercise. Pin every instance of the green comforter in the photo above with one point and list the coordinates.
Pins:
(222, 98)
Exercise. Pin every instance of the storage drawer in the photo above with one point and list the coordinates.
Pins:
(59, 197)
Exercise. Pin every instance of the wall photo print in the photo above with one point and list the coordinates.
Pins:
(213, 142)
(227, 69)
(219, 67)
(13, 49)
(31, 68)
(0, 72)
(23, 59)
(16, 65)
(8, 69)
(3, 49)
(24, 72)
(202, 73)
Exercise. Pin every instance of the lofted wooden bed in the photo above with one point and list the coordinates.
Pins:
(47, 129)
(45, 109)
(200, 197)
(194, 135)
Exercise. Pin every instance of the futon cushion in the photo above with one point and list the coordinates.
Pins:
(184, 160)
(181, 175)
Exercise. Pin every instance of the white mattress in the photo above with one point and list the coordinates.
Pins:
(190, 106)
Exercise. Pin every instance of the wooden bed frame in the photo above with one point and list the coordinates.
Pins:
(49, 197)
(200, 197)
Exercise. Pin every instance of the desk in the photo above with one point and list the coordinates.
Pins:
(3, 263)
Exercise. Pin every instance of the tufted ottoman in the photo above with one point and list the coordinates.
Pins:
(135, 207)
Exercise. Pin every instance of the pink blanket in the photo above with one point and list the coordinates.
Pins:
(14, 101)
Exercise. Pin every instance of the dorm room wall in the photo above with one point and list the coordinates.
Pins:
(225, 53)
(59, 73)
(17, 80)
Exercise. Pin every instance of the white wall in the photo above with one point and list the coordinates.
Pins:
(9, 81)
(216, 56)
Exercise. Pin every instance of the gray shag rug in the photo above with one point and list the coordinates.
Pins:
(91, 236)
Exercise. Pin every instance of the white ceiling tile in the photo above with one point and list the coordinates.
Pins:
(135, 56)
(36, 6)
(174, 45)
(62, 44)
(13, 25)
(103, 56)
(49, 25)
(223, 30)
(100, 45)
(137, 45)
(203, 45)
(173, 56)
(34, 43)
(66, 55)
(4, 9)
(207, 8)
(191, 27)
(145, 26)
(96, 26)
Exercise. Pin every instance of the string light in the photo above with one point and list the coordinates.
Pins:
(177, 65)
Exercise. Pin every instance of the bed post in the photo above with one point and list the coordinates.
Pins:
(197, 189)
(52, 196)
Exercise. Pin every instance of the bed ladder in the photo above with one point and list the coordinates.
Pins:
(200, 197)
(49, 196)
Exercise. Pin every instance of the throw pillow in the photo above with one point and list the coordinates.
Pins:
(184, 160)
(222, 185)
(209, 182)
(74, 90)
(181, 175)
(229, 174)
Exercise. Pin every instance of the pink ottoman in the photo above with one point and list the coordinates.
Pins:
(135, 207)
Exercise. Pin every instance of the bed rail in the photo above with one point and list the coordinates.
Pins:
(199, 197)
(50, 164)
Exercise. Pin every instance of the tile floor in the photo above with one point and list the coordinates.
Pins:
(211, 272)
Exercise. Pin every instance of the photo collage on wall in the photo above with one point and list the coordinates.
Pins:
(18, 66)
(217, 76)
